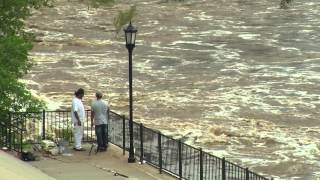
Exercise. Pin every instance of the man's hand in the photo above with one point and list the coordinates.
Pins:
(77, 117)
(92, 118)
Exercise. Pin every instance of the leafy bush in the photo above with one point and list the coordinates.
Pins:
(123, 18)
(15, 45)
(97, 3)
(67, 134)
(284, 4)
(167, 1)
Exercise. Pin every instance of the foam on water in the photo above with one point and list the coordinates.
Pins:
(207, 33)
(249, 36)
(239, 79)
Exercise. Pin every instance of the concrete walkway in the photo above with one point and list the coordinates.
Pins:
(13, 168)
(103, 165)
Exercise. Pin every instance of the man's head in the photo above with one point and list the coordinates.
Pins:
(98, 95)
(79, 93)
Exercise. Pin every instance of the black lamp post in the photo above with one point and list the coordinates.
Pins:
(130, 33)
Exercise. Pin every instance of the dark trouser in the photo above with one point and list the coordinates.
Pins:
(102, 135)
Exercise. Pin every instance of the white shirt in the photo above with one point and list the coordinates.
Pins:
(78, 107)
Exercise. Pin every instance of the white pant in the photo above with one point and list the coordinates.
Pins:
(78, 134)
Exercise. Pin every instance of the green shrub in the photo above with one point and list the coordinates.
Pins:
(123, 17)
(26, 146)
(67, 134)
(97, 3)
(284, 4)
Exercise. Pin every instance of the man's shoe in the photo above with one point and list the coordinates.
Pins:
(80, 149)
(101, 149)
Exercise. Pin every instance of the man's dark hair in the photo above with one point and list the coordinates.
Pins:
(79, 91)
(99, 94)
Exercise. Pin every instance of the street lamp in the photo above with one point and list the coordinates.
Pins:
(130, 34)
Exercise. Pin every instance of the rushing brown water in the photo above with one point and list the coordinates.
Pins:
(239, 77)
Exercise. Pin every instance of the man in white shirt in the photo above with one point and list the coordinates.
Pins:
(99, 113)
(78, 116)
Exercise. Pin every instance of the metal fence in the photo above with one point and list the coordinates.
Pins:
(166, 153)
(173, 156)
(11, 137)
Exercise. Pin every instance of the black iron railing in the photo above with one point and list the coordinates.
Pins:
(11, 137)
(164, 152)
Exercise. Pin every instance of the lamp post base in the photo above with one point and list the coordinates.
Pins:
(131, 160)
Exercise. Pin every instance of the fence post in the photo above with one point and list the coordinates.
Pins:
(247, 174)
(108, 115)
(141, 143)
(2, 135)
(9, 134)
(180, 159)
(108, 125)
(21, 142)
(223, 169)
(160, 152)
(43, 124)
(201, 164)
(123, 135)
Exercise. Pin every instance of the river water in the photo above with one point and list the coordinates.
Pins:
(240, 78)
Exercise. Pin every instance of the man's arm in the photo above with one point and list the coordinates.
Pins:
(92, 117)
(77, 117)
(75, 108)
(108, 111)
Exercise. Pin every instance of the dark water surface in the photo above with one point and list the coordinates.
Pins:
(239, 77)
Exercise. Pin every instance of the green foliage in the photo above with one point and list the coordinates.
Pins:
(27, 147)
(14, 12)
(97, 3)
(284, 4)
(67, 134)
(173, 1)
(14, 63)
(123, 18)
